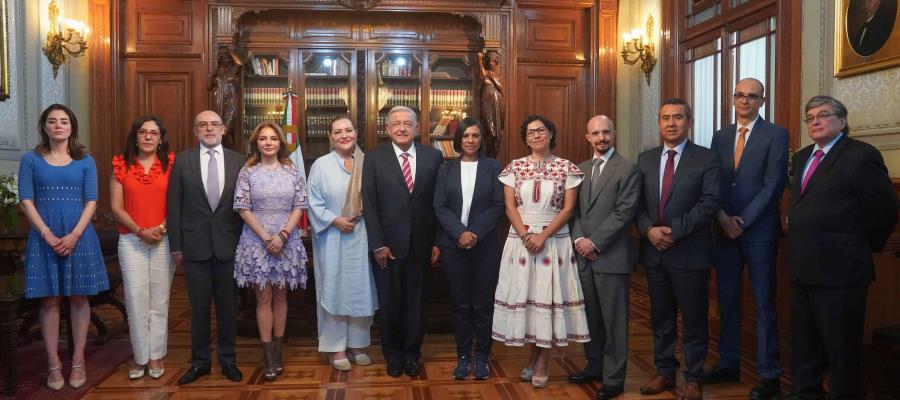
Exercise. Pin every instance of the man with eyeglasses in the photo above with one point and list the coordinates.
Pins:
(680, 198)
(754, 156)
(398, 195)
(843, 208)
(203, 233)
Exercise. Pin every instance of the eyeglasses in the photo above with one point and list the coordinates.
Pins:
(211, 124)
(144, 132)
(536, 132)
(749, 97)
(809, 119)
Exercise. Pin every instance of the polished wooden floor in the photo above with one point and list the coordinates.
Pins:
(308, 376)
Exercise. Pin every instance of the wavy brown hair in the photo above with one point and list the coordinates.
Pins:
(76, 150)
(131, 146)
(255, 157)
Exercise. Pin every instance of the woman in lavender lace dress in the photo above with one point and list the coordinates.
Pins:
(270, 196)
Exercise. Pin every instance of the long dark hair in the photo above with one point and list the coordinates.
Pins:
(131, 146)
(255, 157)
(76, 150)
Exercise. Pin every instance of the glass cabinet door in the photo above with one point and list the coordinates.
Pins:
(450, 98)
(398, 76)
(266, 80)
(328, 92)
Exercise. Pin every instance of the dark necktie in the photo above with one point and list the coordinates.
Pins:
(668, 174)
(212, 181)
(595, 177)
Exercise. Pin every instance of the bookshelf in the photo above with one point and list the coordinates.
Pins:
(264, 83)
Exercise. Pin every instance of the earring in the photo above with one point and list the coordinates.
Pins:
(159, 147)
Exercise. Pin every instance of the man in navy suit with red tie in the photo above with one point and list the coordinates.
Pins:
(843, 208)
(754, 156)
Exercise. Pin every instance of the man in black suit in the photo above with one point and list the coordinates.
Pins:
(203, 233)
(398, 192)
(754, 156)
(872, 25)
(843, 207)
(607, 202)
(680, 199)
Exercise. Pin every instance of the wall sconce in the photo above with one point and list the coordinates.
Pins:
(639, 45)
(66, 36)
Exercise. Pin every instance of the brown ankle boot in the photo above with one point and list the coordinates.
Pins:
(268, 364)
(279, 351)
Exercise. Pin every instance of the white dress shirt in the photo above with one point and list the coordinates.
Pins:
(220, 162)
(662, 164)
(467, 172)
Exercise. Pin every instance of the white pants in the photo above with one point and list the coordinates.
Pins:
(340, 332)
(147, 273)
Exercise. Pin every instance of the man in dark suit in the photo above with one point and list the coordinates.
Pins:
(754, 156)
(843, 207)
(607, 202)
(398, 192)
(203, 233)
(680, 198)
(872, 25)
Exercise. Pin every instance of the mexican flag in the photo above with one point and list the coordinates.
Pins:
(289, 120)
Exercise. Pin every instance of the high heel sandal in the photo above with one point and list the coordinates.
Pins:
(136, 371)
(77, 381)
(541, 381)
(157, 373)
(55, 384)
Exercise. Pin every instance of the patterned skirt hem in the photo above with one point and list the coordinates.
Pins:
(540, 342)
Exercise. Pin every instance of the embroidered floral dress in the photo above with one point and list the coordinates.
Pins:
(271, 194)
(539, 298)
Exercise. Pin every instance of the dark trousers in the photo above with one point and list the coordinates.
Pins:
(731, 255)
(472, 278)
(211, 280)
(672, 289)
(826, 335)
(606, 306)
(401, 308)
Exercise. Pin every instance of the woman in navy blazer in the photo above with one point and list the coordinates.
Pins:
(468, 201)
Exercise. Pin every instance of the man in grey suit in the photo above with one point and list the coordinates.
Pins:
(203, 233)
(606, 206)
(680, 198)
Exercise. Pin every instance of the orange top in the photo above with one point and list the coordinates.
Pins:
(144, 193)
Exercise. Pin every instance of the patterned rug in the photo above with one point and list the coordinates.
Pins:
(101, 362)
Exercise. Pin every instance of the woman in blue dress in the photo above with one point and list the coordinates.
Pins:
(270, 196)
(58, 192)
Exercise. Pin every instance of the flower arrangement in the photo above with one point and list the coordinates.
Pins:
(9, 190)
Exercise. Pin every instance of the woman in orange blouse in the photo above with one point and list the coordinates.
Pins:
(138, 201)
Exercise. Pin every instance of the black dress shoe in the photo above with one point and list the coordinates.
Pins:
(461, 371)
(411, 368)
(584, 377)
(721, 375)
(766, 390)
(192, 375)
(232, 373)
(394, 369)
(609, 391)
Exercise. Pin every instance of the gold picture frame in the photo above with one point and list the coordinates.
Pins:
(866, 36)
(4, 51)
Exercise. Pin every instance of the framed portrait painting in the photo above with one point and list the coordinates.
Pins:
(866, 36)
(4, 50)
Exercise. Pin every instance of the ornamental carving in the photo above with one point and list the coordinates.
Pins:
(359, 4)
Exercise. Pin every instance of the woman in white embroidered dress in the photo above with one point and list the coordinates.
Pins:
(539, 298)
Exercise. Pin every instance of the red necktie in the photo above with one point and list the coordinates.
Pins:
(817, 158)
(407, 172)
(668, 174)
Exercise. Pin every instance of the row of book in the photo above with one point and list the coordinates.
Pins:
(252, 120)
(400, 97)
(457, 98)
(263, 96)
(327, 96)
(445, 146)
(330, 67)
(266, 66)
(318, 125)
(399, 67)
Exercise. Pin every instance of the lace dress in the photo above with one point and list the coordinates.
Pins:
(539, 298)
(271, 195)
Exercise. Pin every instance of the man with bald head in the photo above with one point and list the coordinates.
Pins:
(606, 205)
(203, 233)
(754, 156)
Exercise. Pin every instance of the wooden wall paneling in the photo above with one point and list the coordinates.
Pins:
(606, 56)
(557, 93)
(555, 34)
(165, 26)
(105, 138)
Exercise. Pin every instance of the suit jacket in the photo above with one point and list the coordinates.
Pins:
(848, 211)
(395, 218)
(693, 201)
(605, 217)
(486, 208)
(753, 190)
(195, 230)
